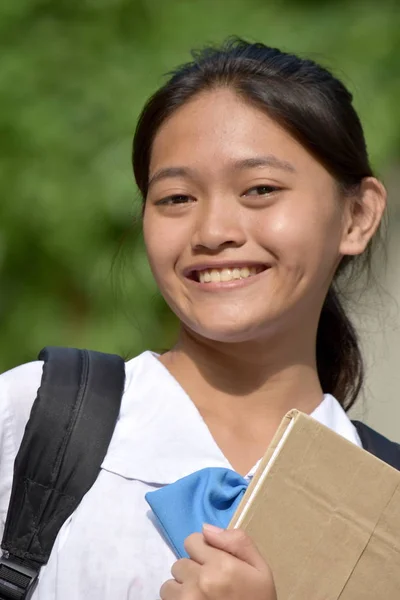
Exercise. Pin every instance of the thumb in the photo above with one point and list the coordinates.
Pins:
(237, 543)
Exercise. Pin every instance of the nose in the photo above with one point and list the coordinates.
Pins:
(219, 224)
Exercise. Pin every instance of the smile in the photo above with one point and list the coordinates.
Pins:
(232, 275)
(226, 274)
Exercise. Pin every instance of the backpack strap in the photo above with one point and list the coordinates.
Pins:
(378, 445)
(65, 441)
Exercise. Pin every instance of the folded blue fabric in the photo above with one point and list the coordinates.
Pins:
(210, 495)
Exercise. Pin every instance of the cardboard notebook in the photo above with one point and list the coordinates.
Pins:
(325, 514)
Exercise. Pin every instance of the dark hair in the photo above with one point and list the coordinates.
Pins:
(316, 109)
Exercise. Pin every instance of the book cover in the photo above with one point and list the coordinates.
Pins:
(325, 514)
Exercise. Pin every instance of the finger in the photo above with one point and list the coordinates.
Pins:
(237, 543)
(199, 550)
(184, 570)
(171, 590)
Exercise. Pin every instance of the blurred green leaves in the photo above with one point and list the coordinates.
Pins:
(73, 78)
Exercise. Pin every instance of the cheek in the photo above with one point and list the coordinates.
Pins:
(301, 233)
(154, 242)
(164, 243)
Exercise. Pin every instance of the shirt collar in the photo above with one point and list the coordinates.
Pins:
(160, 435)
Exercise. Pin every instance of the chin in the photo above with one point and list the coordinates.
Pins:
(233, 323)
(227, 333)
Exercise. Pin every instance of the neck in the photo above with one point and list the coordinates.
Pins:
(246, 380)
(242, 391)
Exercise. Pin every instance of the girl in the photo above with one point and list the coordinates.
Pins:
(257, 195)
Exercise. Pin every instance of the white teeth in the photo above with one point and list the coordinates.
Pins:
(226, 275)
(236, 273)
(216, 276)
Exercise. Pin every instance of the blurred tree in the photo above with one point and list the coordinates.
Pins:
(73, 77)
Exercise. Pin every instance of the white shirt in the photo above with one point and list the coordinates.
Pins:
(110, 548)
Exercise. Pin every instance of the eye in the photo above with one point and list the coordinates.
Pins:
(175, 199)
(261, 190)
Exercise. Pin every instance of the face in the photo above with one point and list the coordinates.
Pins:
(243, 227)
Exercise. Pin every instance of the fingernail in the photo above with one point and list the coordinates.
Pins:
(212, 528)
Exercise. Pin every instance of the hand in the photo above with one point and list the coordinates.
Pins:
(223, 565)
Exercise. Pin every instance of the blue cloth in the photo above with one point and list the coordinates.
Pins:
(210, 495)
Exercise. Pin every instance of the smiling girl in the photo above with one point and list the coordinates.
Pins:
(257, 194)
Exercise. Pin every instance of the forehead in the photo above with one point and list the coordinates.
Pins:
(218, 126)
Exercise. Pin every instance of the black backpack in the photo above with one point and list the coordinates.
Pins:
(65, 441)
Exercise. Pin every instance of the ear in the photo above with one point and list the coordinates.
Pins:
(363, 215)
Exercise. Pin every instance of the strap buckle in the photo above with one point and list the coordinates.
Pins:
(17, 581)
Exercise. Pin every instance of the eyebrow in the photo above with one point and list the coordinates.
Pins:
(245, 163)
(264, 161)
(168, 172)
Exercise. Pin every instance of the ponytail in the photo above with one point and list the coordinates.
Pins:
(339, 360)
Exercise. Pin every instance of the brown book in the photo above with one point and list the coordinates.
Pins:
(325, 514)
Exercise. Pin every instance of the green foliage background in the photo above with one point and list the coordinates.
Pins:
(74, 75)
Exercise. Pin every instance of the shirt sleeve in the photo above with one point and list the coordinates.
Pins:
(18, 390)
